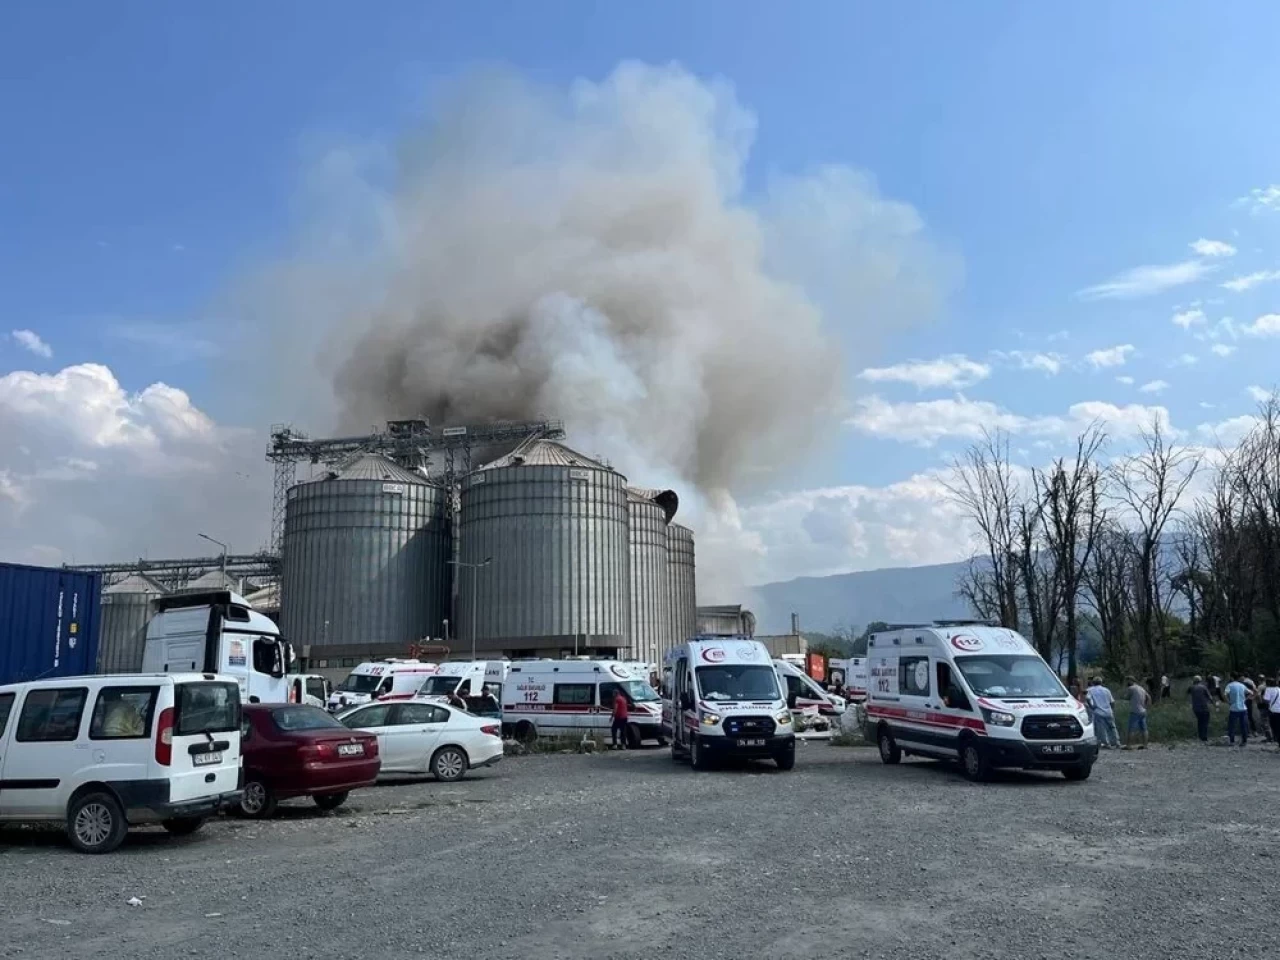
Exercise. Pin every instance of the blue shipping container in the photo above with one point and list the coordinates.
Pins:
(48, 622)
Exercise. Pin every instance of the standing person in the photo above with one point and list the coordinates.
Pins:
(1250, 703)
(1166, 688)
(1201, 702)
(1264, 707)
(621, 713)
(1104, 717)
(1215, 686)
(1238, 719)
(1139, 701)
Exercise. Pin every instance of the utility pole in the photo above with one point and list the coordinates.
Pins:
(473, 567)
(205, 536)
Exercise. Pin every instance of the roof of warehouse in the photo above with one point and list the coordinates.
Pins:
(372, 467)
(545, 453)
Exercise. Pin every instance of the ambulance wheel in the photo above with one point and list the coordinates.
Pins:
(889, 751)
(786, 760)
(662, 742)
(526, 732)
(973, 764)
(1078, 773)
(698, 758)
(633, 737)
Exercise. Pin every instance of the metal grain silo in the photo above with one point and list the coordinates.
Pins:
(126, 608)
(365, 557)
(553, 524)
(684, 593)
(649, 512)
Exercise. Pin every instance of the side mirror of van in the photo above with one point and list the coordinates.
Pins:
(791, 701)
(686, 701)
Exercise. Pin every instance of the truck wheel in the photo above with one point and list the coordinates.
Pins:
(786, 760)
(889, 752)
(1078, 773)
(183, 826)
(96, 824)
(973, 763)
(698, 758)
(330, 801)
(257, 802)
(633, 737)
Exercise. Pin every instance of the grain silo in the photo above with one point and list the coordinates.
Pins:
(365, 558)
(553, 526)
(684, 594)
(126, 608)
(649, 512)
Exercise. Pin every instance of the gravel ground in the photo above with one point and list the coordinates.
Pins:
(1163, 853)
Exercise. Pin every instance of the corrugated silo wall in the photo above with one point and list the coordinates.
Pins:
(557, 536)
(684, 593)
(364, 562)
(651, 624)
(124, 631)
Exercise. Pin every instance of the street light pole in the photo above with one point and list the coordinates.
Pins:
(473, 567)
(205, 536)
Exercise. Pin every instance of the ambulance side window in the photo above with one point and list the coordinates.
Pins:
(913, 676)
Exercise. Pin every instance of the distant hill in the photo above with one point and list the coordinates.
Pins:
(895, 595)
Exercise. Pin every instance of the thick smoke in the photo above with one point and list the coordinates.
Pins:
(591, 255)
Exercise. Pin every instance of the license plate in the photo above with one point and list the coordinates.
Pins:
(206, 759)
(1058, 748)
(351, 750)
(751, 743)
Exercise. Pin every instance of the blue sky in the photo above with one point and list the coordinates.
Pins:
(152, 154)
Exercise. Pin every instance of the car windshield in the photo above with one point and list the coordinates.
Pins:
(304, 718)
(639, 691)
(360, 683)
(207, 708)
(738, 682)
(439, 687)
(1012, 676)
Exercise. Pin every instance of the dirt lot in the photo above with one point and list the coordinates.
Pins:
(1164, 853)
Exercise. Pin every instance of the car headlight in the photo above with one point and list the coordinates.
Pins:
(998, 718)
(708, 719)
(783, 716)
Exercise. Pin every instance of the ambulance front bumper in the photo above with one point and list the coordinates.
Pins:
(747, 747)
(1036, 755)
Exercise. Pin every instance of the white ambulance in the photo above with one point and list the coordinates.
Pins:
(850, 674)
(724, 698)
(974, 693)
(467, 678)
(218, 632)
(550, 698)
(378, 679)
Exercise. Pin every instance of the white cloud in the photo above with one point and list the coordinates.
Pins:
(30, 341)
(1228, 432)
(1126, 380)
(1213, 248)
(1048, 363)
(1267, 325)
(105, 474)
(1222, 349)
(953, 371)
(1188, 318)
(1262, 199)
(1110, 357)
(1148, 280)
(1258, 394)
(1154, 386)
(1186, 360)
(1250, 280)
(1206, 406)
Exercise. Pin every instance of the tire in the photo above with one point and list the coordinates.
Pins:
(889, 752)
(1079, 773)
(973, 764)
(786, 760)
(633, 737)
(662, 742)
(698, 758)
(257, 802)
(96, 823)
(449, 764)
(526, 732)
(331, 801)
(183, 826)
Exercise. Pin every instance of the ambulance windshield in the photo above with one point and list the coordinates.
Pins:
(439, 686)
(639, 691)
(1013, 676)
(738, 682)
(360, 683)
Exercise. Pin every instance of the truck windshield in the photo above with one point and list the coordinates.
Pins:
(639, 691)
(360, 683)
(1012, 676)
(738, 682)
(439, 686)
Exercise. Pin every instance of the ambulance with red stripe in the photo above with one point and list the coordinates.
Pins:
(724, 698)
(819, 708)
(976, 694)
(379, 679)
(574, 698)
(851, 675)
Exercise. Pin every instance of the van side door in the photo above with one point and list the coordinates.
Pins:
(44, 756)
(916, 727)
(7, 701)
(956, 711)
(683, 689)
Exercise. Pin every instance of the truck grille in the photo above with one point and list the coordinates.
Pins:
(1052, 728)
(749, 726)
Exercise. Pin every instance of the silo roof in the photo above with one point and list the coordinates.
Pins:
(135, 583)
(666, 499)
(372, 467)
(213, 580)
(545, 453)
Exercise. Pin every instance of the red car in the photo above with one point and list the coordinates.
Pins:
(294, 750)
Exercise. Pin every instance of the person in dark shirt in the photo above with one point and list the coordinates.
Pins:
(1201, 703)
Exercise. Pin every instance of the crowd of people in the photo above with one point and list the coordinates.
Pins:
(1253, 709)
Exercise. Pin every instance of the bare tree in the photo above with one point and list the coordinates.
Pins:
(1108, 591)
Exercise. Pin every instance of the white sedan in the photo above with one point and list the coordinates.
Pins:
(417, 737)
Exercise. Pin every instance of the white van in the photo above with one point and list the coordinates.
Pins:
(220, 633)
(977, 694)
(392, 677)
(819, 708)
(722, 697)
(466, 678)
(850, 674)
(101, 754)
(309, 688)
(575, 697)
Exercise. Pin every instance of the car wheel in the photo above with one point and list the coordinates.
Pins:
(257, 802)
(96, 824)
(633, 737)
(183, 826)
(698, 758)
(973, 763)
(786, 760)
(889, 752)
(449, 764)
(331, 801)
(1078, 773)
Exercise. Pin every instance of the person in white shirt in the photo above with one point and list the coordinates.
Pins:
(1271, 698)
(1104, 716)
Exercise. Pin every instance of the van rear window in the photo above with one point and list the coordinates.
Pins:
(212, 707)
